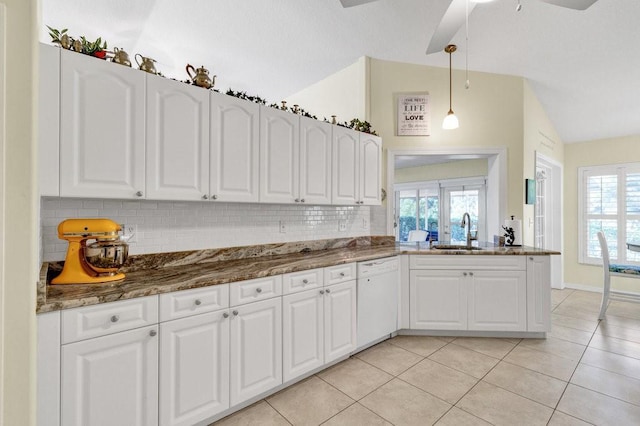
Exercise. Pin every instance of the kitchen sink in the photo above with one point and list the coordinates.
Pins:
(454, 247)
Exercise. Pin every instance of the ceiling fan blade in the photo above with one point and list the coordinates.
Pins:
(451, 22)
(351, 3)
(572, 4)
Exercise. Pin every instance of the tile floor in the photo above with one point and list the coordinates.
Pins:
(585, 372)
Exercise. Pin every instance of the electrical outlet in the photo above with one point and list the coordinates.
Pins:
(129, 233)
(365, 223)
(342, 226)
(283, 227)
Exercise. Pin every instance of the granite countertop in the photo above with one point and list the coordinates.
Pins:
(167, 272)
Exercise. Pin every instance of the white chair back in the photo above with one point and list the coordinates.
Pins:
(417, 236)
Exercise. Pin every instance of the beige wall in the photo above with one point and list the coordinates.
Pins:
(599, 152)
(342, 94)
(490, 113)
(19, 274)
(539, 135)
(450, 170)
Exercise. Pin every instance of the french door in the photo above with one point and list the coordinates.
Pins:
(458, 200)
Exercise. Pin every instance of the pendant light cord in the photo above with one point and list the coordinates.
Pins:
(466, 54)
(450, 89)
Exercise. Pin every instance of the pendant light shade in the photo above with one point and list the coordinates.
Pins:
(450, 121)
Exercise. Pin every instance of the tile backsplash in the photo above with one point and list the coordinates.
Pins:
(165, 226)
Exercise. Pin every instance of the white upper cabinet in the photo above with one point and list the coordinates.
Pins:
(102, 126)
(49, 120)
(279, 156)
(235, 149)
(370, 165)
(346, 154)
(315, 161)
(177, 140)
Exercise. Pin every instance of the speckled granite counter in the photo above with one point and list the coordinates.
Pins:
(166, 272)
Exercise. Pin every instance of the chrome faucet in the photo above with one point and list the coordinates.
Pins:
(463, 224)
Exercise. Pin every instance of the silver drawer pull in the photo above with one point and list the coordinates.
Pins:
(471, 273)
(328, 290)
(225, 315)
(152, 333)
(235, 313)
(531, 258)
(198, 302)
(258, 290)
(305, 281)
(342, 274)
(464, 273)
(321, 291)
(139, 194)
(115, 318)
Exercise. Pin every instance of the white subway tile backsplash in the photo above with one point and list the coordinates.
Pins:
(164, 226)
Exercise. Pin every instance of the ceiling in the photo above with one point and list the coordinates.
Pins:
(583, 65)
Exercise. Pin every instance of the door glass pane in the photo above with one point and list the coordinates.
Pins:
(461, 202)
(433, 213)
(407, 214)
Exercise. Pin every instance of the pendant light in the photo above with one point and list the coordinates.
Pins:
(450, 121)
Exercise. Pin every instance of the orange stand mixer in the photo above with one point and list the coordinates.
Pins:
(94, 263)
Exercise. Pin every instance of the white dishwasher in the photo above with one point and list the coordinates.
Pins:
(377, 299)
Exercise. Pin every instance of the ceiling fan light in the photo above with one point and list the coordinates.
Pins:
(450, 121)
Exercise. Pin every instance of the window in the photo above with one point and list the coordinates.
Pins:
(609, 198)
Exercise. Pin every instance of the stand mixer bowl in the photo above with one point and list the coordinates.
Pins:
(107, 256)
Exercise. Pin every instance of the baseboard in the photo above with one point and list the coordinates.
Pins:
(592, 289)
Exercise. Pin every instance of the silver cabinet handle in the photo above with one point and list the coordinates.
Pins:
(139, 194)
(115, 318)
(214, 197)
(305, 281)
(342, 274)
(531, 258)
(297, 200)
(464, 274)
(321, 291)
(152, 333)
(205, 197)
(258, 290)
(225, 315)
(328, 290)
(302, 200)
(198, 302)
(471, 273)
(235, 313)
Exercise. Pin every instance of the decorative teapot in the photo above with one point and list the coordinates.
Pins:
(121, 57)
(146, 64)
(200, 76)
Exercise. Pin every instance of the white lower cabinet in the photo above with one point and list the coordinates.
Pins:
(319, 327)
(497, 301)
(538, 293)
(256, 349)
(340, 318)
(438, 300)
(303, 332)
(194, 368)
(111, 380)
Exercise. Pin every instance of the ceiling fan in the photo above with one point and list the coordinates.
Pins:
(454, 17)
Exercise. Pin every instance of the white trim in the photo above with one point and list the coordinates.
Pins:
(496, 178)
(583, 287)
(3, 85)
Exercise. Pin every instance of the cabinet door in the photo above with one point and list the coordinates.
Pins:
(303, 332)
(346, 152)
(256, 349)
(194, 368)
(177, 140)
(438, 300)
(497, 300)
(370, 163)
(279, 156)
(538, 293)
(111, 380)
(315, 161)
(101, 129)
(340, 320)
(235, 149)
(49, 120)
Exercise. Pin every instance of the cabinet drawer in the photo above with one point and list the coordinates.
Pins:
(196, 301)
(107, 318)
(339, 273)
(474, 262)
(303, 280)
(242, 292)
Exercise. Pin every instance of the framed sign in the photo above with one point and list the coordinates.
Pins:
(414, 116)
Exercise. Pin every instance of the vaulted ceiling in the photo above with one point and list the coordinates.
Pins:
(583, 65)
